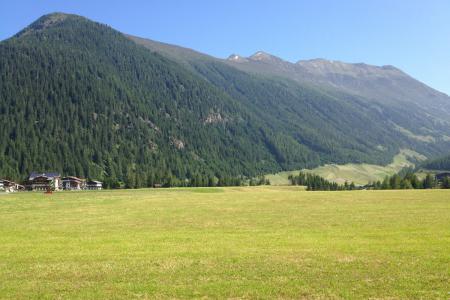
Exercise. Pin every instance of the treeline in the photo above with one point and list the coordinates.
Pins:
(409, 181)
(317, 183)
(136, 180)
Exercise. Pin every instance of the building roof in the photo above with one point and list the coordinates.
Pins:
(94, 182)
(7, 181)
(72, 178)
(50, 175)
(42, 176)
(442, 175)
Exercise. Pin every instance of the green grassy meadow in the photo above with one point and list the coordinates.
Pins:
(244, 242)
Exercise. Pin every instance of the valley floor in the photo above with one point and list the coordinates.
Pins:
(247, 242)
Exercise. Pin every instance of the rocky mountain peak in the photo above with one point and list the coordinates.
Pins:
(263, 56)
(47, 21)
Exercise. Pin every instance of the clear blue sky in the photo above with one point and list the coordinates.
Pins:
(410, 34)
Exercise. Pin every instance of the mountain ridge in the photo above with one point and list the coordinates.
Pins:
(52, 19)
(401, 88)
(380, 83)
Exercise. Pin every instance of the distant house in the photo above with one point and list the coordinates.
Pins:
(71, 183)
(10, 186)
(441, 176)
(94, 185)
(43, 181)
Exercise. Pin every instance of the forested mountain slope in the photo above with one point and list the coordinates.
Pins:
(81, 98)
(441, 163)
(419, 115)
(426, 112)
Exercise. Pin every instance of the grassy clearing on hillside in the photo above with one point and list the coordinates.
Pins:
(358, 173)
(242, 242)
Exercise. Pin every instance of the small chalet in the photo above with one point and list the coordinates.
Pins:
(94, 185)
(9, 186)
(72, 183)
(43, 181)
(441, 176)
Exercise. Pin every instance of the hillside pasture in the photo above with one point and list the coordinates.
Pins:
(360, 174)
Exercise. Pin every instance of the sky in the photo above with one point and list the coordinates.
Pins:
(412, 35)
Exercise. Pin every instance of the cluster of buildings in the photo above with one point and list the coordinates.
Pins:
(50, 182)
(10, 186)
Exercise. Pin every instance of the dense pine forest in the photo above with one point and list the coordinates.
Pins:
(80, 98)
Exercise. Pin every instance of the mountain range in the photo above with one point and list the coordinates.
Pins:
(81, 98)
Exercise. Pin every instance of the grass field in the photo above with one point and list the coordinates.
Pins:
(262, 242)
(358, 173)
